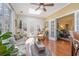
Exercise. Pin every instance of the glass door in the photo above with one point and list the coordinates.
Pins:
(52, 30)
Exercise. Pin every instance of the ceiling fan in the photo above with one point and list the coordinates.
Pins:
(42, 5)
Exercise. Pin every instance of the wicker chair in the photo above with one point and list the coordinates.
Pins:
(75, 43)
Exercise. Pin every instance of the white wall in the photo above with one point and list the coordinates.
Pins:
(32, 23)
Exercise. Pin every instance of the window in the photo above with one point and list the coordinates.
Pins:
(5, 18)
(1, 9)
(77, 22)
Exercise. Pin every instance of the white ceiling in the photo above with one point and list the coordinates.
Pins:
(18, 7)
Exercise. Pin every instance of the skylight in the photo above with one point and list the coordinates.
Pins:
(33, 11)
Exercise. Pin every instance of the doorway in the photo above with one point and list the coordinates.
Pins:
(64, 26)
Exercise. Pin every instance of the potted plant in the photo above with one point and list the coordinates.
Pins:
(6, 48)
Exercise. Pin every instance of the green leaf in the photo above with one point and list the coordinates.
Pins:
(6, 35)
(0, 42)
(3, 50)
(0, 32)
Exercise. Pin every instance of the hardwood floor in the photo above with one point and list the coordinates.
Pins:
(59, 47)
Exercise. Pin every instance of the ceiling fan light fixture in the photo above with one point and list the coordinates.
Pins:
(43, 6)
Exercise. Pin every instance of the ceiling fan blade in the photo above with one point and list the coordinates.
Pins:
(35, 3)
(37, 8)
(44, 9)
(48, 4)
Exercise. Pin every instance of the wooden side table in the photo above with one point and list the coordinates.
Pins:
(40, 37)
(40, 46)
